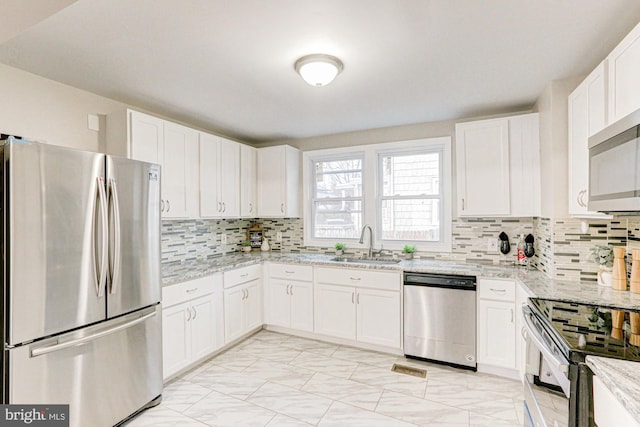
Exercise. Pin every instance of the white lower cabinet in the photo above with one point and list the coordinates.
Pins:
(608, 411)
(496, 325)
(360, 305)
(242, 302)
(191, 322)
(291, 304)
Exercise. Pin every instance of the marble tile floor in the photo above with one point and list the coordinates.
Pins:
(274, 379)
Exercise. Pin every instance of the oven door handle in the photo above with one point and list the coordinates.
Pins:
(559, 365)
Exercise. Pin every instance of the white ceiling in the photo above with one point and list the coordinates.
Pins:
(227, 66)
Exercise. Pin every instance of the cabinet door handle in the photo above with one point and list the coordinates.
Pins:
(291, 290)
(192, 290)
(161, 205)
(578, 198)
(244, 275)
(224, 207)
(195, 313)
(289, 272)
(244, 294)
(353, 297)
(463, 203)
(247, 294)
(250, 207)
(355, 279)
(188, 314)
(282, 207)
(512, 315)
(168, 205)
(497, 290)
(219, 207)
(358, 298)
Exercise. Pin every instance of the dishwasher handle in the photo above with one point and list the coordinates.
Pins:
(440, 281)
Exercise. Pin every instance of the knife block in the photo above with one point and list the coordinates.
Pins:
(634, 283)
(619, 280)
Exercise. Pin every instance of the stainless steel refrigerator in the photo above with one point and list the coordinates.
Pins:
(81, 319)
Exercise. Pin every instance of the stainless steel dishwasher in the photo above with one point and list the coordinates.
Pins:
(440, 318)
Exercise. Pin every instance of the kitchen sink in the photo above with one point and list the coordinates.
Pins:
(381, 261)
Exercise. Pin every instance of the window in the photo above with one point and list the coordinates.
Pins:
(402, 189)
(337, 198)
(410, 203)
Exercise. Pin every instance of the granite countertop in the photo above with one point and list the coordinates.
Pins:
(622, 378)
(537, 282)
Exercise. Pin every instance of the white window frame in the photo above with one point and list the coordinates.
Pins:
(372, 191)
(313, 187)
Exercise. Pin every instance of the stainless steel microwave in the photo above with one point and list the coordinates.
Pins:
(614, 167)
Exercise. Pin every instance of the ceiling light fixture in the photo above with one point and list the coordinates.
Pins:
(318, 69)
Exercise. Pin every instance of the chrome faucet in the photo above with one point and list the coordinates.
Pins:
(370, 253)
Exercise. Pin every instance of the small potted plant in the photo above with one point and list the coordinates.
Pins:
(603, 255)
(246, 246)
(339, 248)
(408, 251)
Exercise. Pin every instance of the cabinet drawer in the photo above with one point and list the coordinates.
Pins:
(359, 277)
(291, 271)
(496, 289)
(181, 292)
(241, 275)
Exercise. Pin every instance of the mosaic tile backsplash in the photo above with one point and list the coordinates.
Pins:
(562, 250)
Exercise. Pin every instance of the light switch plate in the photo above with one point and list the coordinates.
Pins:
(492, 244)
(223, 238)
(278, 236)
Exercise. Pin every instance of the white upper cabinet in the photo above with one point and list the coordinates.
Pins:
(279, 182)
(623, 82)
(219, 177)
(498, 167)
(248, 181)
(482, 153)
(150, 139)
(587, 116)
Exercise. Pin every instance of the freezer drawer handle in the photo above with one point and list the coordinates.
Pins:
(56, 347)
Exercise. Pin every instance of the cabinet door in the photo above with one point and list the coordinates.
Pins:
(279, 303)
(301, 306)
(271, 181)
(248, 181)
(233, 313)
(203, 337)
(176, 339)
(176, 185)
(524, 165)
(587, 116)
(378, 317)
(334, 310)
(496, 333)
(624, 69)
(482, 152)
(229, 178)
(252, 306)
(147, 136)
(210, 204)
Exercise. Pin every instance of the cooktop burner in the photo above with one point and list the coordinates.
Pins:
(590, 329)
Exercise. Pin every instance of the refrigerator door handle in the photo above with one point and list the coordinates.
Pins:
(102, 267)
(79, 341)
(114, 265)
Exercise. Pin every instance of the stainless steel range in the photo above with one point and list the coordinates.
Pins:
(558, 384)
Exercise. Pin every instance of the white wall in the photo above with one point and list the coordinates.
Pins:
(552, 106)
(45, 110)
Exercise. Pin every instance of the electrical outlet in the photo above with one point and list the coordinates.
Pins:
(492, 244)
(278, 237)
(223, 238)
